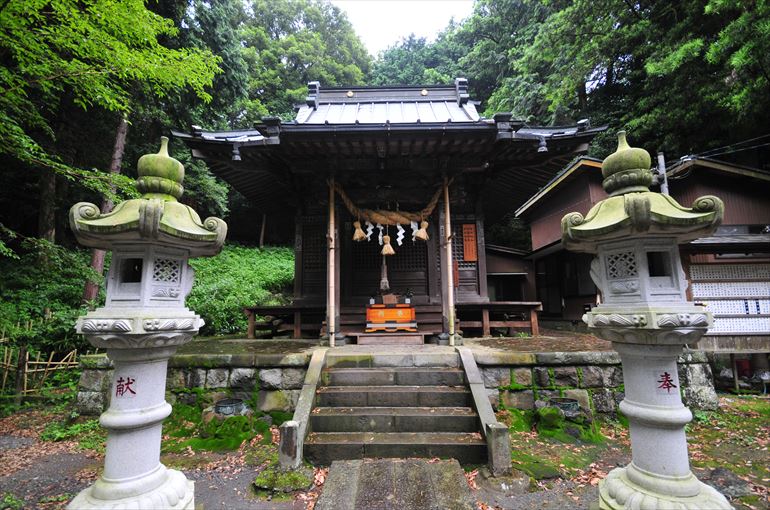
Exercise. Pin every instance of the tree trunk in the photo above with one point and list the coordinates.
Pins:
(46, 219)
(262, 231)
(91, 289)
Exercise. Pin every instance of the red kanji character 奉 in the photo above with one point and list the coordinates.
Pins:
(124, 386)
(666, 382)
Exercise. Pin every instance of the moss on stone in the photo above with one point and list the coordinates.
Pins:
(536, 467)
(273, 478)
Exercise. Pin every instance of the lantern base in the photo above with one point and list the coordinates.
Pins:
(176, 492)
(651, 491)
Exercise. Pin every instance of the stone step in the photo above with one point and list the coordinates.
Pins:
(396, 484)
(408, 376)
(377, 356)
(394, 419)
(393, 396)
(325, 447)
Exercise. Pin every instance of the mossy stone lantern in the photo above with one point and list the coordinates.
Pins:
(635, 236)
(142, 323)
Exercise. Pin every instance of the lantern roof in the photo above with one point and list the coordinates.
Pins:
(632, 210)
(155, 218)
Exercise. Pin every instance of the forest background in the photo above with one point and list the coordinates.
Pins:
(90, 85)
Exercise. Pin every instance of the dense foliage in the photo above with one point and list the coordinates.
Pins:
(239, 277)
(40, 295)
(684, 77)
(90, 54)
(40, 292)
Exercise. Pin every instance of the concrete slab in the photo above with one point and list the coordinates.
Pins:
(396, 484)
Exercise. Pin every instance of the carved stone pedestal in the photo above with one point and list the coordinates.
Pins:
(140, 349)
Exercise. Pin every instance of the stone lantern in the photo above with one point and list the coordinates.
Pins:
(635, 236)
(141, 325)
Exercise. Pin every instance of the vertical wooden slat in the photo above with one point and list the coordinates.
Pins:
(470, 253)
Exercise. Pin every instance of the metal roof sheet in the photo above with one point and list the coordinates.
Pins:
(387, 105)
(395, 112)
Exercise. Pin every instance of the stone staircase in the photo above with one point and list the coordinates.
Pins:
(399, 403)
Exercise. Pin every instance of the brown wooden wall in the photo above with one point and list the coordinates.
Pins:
(579, 195)
(747, 201)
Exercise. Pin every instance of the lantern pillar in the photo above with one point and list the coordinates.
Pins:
(635, 235)
(143, 322)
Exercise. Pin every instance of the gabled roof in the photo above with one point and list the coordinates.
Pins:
(387, 105)
(681, 168)
(574, 168)
(422, 132)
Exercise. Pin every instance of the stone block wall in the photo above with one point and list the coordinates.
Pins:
(594, 379)
(276, 388)
(515, 380)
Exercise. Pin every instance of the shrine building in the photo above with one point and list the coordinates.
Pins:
(371, 179)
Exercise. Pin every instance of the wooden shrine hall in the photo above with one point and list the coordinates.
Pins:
(388, 190)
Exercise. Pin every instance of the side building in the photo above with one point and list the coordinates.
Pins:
(729, 271)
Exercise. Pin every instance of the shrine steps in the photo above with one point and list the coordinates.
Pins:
(406, 402)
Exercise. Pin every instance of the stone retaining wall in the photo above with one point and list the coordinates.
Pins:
(513, 379)
(275, 384)
(595, 379)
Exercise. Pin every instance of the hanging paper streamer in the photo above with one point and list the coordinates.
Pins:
(414, 229)
(369, 230)
(379, 237)
(400, 234)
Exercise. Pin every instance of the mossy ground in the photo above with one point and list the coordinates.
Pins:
(735, 437)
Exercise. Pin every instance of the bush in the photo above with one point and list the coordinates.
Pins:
(41, 295)
(239, 277)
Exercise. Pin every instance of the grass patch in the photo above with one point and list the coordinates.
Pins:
(88, 433)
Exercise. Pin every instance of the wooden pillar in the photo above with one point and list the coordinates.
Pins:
(449, 287)
(533, 324)
(331, 277)
(485, 329)
(251, 331)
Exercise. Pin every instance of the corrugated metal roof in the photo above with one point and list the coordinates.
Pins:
(393, 105)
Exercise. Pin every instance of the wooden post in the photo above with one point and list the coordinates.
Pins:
(450, 287)
(734, 363)
(262, 231)
(485, 329)
(298, 324)
(534, 326)
(251, 330)
(331, 278)
(21, 376)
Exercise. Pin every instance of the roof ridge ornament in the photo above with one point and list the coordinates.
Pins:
(313, 91)
(461, 88)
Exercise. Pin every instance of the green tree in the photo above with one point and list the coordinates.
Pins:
(288, 43)
(92, 54)
(414, 61)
